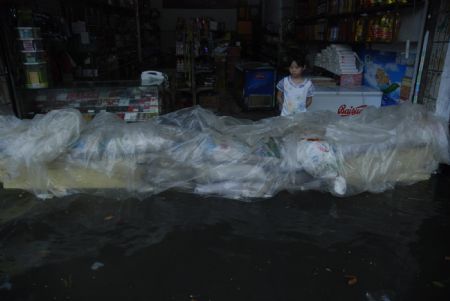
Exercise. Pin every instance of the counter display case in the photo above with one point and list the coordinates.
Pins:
(129, 100)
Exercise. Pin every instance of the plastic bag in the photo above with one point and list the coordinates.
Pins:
(197, 151)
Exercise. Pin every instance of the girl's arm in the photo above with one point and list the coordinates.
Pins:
(308, 101)
(310, 95)
(280, 97)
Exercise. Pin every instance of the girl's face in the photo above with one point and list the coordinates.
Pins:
(295, 69)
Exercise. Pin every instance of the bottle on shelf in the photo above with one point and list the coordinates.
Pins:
(371, 30)
(360, 25)
(386, 28)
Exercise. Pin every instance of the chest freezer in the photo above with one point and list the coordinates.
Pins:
(345, 101)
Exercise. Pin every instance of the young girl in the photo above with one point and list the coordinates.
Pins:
(295, 92)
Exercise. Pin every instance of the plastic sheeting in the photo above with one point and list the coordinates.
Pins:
(194, 150)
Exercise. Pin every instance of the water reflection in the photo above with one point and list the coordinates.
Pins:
(371, 230)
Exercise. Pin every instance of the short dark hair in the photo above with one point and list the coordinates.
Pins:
(298, 58)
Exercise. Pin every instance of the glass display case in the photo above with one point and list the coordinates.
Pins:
(129, 100)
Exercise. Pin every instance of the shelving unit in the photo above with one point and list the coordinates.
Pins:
(195, 66)
(276, 40)
(150, 34)
(7, 67)
(270, 48)
(248, 27)
(101, 49)
(353, 21)
(4, 91)
(183, 53)
(126, 7)
(434, 68)
(134, 46)
(355, 8)
(87, 41)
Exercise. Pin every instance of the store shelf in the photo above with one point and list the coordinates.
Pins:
(347, 30)
(204, 71)
(198, 90)
(202, 56)
(204, 89)
(110, 70)
(197, 66)
(359, 12)
(274, 44)
(120, 10)
(271, 34)
(342, 42)
(184, 90)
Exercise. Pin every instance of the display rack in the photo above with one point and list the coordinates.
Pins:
(274, 47)
(195, 64)
(352, 21)
(105, 44)
(150, 34)
(86, 41)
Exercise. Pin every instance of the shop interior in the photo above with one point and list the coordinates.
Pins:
(143, 155)
(98, 55)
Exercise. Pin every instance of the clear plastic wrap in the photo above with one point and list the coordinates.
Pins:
(195, 150)
(26, 147)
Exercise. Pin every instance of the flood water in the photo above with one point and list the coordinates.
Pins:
(178, 246)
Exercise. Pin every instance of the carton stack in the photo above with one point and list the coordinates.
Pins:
(338, 59)
(342, 61)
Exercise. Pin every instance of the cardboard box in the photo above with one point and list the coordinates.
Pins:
(350, 80)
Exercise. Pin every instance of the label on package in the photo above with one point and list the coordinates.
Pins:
(344, 110)
(130, 116)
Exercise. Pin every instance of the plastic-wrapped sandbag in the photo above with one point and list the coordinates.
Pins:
(384, 147)
(28, 146)
(195, 150)
(41, 140)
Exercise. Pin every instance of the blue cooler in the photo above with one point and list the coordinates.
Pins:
(257, 83)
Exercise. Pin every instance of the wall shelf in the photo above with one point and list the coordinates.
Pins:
(360, 12)
(112, 9)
